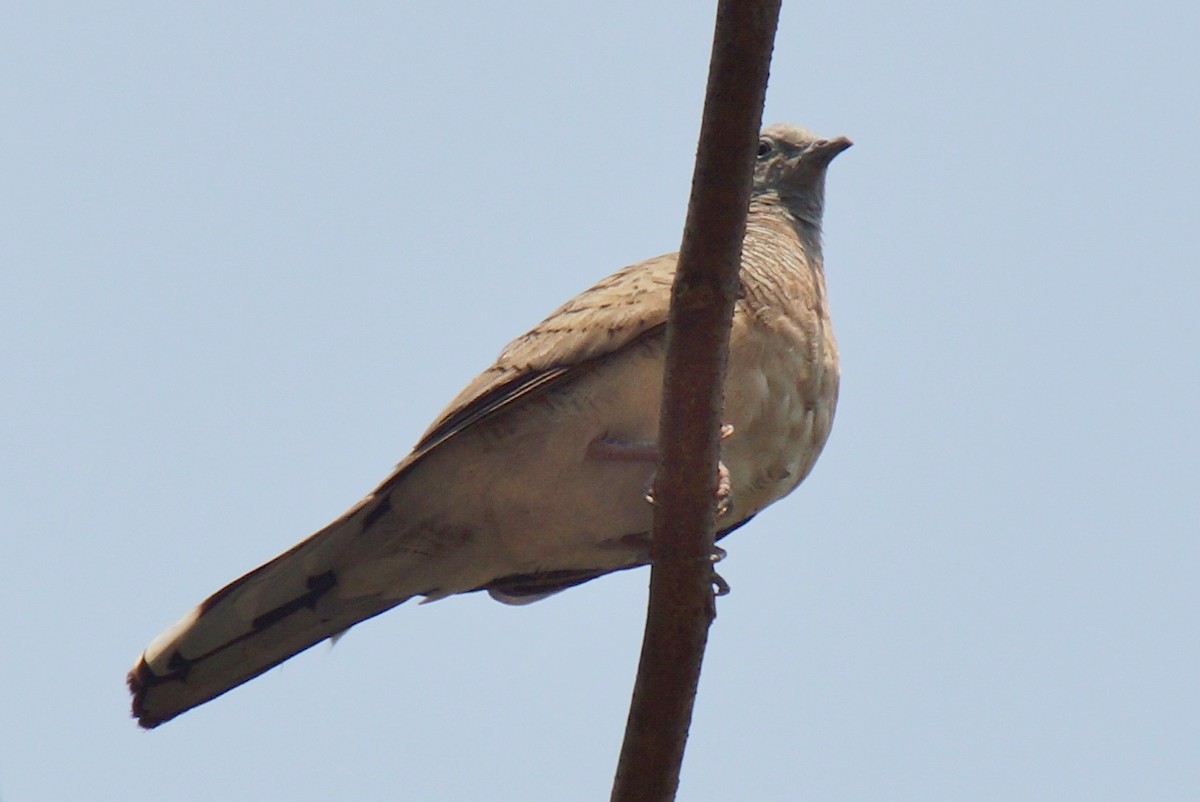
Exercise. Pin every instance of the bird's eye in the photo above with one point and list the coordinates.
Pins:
(764, 147)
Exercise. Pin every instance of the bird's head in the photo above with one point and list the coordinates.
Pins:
(790, 170)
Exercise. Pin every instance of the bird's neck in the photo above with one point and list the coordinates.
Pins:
(782, 266)
(789, 222)
(802, 214)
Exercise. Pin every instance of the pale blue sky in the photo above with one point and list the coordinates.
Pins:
(248, 253)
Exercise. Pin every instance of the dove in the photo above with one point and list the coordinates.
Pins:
(536, 477)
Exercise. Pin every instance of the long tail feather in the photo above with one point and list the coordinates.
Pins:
(253, 624)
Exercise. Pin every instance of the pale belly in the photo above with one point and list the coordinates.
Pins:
(781, 403)
(520, 494)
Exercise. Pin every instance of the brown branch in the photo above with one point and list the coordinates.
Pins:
(706, 283)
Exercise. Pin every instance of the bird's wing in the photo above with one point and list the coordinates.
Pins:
(625, 307)
(291, 603)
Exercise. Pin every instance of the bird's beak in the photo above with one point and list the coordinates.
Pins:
(823, 150)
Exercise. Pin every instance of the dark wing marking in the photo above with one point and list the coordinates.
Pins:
(497, 398)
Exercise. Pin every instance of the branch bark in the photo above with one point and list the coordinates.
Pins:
(681, 605)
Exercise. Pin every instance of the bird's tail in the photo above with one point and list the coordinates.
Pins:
(254, 623)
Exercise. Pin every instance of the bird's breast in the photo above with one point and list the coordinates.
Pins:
(780, 395)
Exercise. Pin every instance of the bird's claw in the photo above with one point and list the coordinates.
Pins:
(724, 491)
(720, 586)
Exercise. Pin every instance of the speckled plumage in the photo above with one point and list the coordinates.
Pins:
(505, 491)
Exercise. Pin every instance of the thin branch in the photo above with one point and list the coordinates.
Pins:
(681, 604)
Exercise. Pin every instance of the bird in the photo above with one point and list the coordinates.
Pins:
(534, 479)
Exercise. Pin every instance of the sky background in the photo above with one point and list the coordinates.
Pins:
(249, 251)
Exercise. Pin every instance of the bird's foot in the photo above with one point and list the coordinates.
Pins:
(614, 449)
(724, 491)
(720, 586)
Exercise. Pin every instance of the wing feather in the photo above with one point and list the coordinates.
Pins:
(621, 310)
